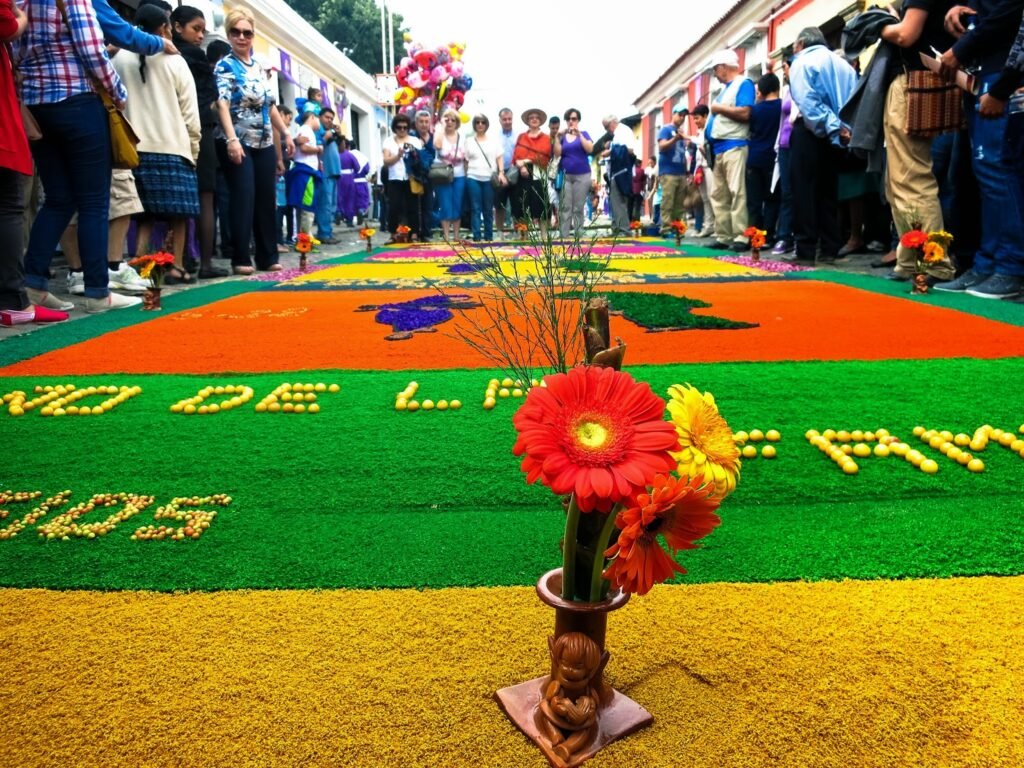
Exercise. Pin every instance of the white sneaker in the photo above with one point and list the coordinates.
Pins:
(111, 301)
(127, 279)
(76, 283)
(48, 300)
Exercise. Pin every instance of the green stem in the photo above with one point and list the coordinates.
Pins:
(569, 550)
(597, 580)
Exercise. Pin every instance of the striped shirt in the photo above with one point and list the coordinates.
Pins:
(55, 65)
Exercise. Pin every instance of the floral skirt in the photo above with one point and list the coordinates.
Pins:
(167, 185)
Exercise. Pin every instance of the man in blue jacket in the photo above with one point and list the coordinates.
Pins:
(118, 32)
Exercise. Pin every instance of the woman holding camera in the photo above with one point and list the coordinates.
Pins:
(531, 156)
(398, 147)
(574, 147)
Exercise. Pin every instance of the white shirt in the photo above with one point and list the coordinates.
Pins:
(397, 172)
(482, 156)
(623, 135)
(311, 161)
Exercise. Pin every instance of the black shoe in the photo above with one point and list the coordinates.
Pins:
(210, 273)
(718, 245)
(738, 247)
(897, 276)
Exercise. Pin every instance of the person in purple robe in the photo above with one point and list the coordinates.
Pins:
(362, 184)
(347, 209)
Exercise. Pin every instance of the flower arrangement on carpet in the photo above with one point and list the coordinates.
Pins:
(636, 226)
(402, 233)
(367, 233)
(679, 228)
(151, 267)
(636, 489)
(929, 248)
(758, 238)
(304, 243)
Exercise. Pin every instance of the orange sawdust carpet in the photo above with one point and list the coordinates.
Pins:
(296, 330)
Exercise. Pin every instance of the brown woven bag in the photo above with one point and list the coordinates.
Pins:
(934, 106)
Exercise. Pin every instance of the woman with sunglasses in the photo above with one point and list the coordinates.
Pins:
(245, 146)
(400, 150)
(574, 147)
(482, 159)
(451, 149)
(532, 154)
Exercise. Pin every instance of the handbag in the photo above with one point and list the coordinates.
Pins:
(511, 176)
(29, 123)
(559, 180)
(934, 106)
(441, 173)
(416, 187)
(123, 139)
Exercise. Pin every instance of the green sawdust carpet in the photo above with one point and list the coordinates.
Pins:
(361, 496)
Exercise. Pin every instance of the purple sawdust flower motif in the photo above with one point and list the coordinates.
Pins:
(418, 315)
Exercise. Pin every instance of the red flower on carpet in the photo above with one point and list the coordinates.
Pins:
(594, 432)
(303, 243)
(680, 512)
(915, 238)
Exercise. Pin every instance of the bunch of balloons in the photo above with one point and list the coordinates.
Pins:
(432, 79)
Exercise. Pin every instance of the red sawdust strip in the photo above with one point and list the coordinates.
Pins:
(805, 320)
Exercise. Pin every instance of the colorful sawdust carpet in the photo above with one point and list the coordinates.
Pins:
(329, 585)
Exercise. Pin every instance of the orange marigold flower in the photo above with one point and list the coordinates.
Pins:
(634, 224)
(594, 432)
(303, 243)
(679, 227)
(521, 227)
(915, 238)
(680, 512)
(933, 252)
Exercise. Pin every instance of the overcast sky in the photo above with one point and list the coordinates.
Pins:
(554, 54)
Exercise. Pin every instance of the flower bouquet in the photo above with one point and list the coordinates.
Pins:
(678, 229)
(930, 248)
(637, 490)
(637, 226)
(402, 233)
(151, 267)
(758, 238)
(304, 245)
(367, 233)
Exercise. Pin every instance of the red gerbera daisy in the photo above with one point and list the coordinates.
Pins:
(915, 238)
(594, 432)
(679, 511)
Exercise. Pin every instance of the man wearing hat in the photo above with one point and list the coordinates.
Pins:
(672, 167)
(728, 132)
(621, 154)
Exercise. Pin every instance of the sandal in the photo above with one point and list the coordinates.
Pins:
(274, 268)
(177, 276)
(243, 269)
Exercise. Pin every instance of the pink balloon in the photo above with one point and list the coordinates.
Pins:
(456, 68)
(407, 62)
(439, 74)
(417, 79)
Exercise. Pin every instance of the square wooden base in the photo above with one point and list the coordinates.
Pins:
(621, 717)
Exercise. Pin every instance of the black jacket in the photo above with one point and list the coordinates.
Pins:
(865, 111)
(989, 43)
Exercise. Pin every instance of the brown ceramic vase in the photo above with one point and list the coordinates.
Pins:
(525, 704)
(151, 299)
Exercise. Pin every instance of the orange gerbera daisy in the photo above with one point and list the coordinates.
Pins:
(594, 432)
(677, 510)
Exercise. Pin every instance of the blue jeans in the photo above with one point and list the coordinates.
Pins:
(785, 229)
(449, 198)
(325, 208)
(1002, 233)
(481, 200)
(73, 160)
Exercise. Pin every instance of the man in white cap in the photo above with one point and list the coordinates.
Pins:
(621, 154)
(728, 132)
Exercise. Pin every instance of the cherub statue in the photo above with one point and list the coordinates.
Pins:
(568, 710)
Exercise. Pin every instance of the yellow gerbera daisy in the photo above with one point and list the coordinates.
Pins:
(708, 450)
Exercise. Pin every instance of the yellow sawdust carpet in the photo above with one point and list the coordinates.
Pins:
(635, 270)
(909, 673)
